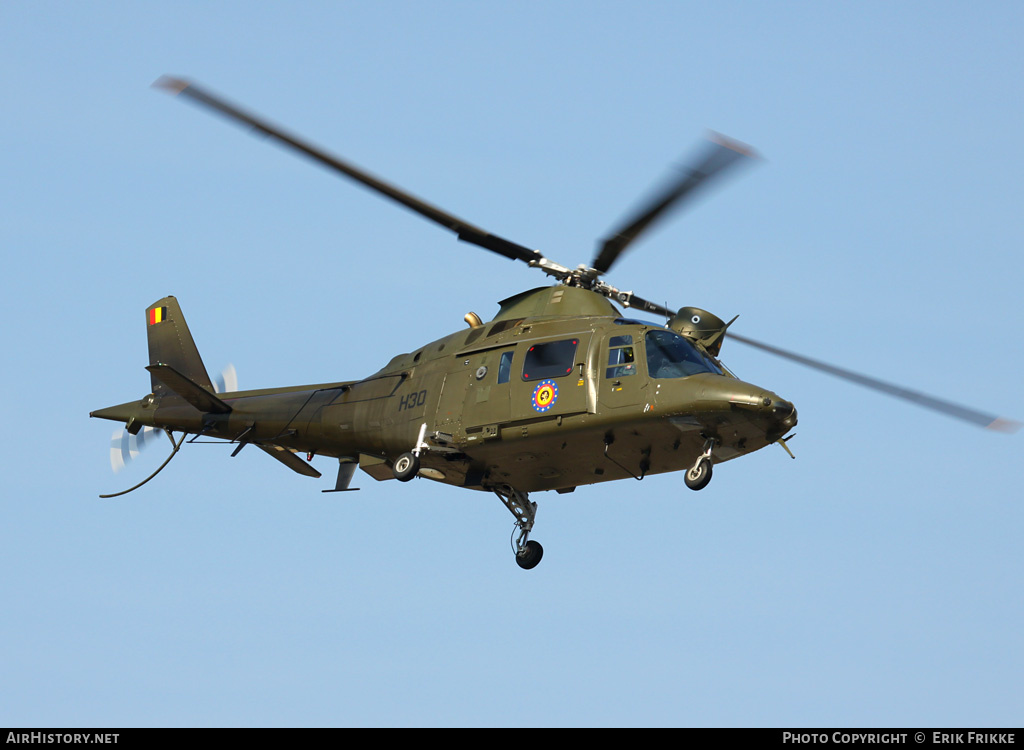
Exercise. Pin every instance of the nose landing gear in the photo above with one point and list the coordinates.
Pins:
(528, 552)
(698, 476)
(530, 555)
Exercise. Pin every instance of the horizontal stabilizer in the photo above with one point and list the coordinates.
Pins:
(290, 460)
(192, 392)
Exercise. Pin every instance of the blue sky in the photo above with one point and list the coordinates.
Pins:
(875, 580)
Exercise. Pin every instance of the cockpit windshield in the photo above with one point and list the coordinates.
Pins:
(669, 355)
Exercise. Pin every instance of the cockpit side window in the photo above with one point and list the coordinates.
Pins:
(621, 357)
(669, 355)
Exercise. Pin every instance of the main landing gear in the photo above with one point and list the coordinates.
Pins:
(406, 467)
(528, 552)
(408, 464)
(698, 476)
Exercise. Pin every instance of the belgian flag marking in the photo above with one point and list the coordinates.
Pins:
(157, 315)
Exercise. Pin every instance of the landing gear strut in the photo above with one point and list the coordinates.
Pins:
(408, 464)
(698, 476)
(528, 552)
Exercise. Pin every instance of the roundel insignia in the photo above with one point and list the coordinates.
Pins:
(545, 395)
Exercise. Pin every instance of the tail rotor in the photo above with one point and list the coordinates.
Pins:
(125, 447)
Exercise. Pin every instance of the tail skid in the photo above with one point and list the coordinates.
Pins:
(177, 447)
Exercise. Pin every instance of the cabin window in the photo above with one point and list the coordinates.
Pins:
(669, 355)
(621, 359)
(505, 366)
(553, 359)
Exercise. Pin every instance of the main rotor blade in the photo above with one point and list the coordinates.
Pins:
(635, 302)
(988, 421)
(466, 232)
(721, 154)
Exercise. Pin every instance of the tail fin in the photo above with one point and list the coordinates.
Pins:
(170, 343)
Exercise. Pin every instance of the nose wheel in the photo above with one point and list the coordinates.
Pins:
(698, 476)
(530, 555)
(528, 552)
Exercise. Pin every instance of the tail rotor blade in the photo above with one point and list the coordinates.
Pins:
(125, 447)
(132, 442)
(118, 451)
(227, 381)
(146, 436)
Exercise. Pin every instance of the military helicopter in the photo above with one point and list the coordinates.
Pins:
(559, 390)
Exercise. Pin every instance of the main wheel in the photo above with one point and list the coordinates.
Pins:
(406, 467)
(698, 477)
(530, 555)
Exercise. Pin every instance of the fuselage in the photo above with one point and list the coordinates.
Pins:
(555, 392)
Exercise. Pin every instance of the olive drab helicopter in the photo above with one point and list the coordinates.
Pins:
(559, 390)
